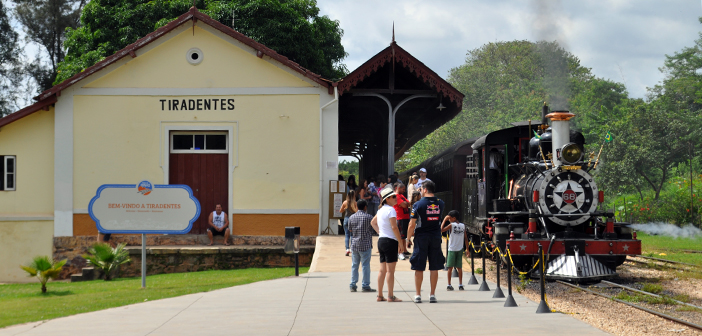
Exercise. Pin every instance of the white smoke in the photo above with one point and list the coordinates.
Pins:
(669, 230)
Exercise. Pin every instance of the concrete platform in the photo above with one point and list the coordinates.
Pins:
(317, 303)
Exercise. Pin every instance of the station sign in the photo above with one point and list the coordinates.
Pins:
(144, 208)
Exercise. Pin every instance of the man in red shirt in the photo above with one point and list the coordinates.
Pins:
(403, 213)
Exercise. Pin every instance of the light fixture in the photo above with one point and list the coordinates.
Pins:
(441, 106)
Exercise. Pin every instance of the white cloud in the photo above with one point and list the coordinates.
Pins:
(631, 35)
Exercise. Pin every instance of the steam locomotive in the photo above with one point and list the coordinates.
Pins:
(530, 185)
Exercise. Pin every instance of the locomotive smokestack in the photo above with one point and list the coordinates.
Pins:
(544, 112)
(560, 129)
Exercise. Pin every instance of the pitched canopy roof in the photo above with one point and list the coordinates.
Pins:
(396, 75)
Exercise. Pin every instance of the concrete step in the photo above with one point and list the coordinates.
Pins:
(77, 277)
(89, 273)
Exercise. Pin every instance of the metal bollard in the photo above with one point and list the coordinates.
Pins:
(484, 286)
(510, 299)
(543, 306)
(473, 280)
(498, 291)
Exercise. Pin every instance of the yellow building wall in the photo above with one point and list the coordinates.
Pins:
(20, 242)
(31, 139)
(223, 65)
(118, 139)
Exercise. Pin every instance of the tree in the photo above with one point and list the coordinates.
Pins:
(504, 82)
(292, 28)
(44, 268)
(45, 22)
(9, 64)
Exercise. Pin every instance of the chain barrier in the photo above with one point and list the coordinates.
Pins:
(508, 253)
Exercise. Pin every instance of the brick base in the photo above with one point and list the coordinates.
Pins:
(73, 248)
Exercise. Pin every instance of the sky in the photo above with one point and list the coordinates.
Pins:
(622, 40)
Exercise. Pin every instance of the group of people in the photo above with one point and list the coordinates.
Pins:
(402, 223)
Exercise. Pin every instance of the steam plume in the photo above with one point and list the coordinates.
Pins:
(669, 230)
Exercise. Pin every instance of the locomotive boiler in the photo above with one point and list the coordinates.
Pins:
(530, 185)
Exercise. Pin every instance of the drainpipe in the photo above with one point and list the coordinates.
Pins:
(321, 159)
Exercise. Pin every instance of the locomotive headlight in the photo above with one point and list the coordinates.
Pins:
(571, 153)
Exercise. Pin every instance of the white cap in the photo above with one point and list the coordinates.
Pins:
(423, 170)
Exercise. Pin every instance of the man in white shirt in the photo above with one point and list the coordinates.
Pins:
(422, 178)
(219, 225)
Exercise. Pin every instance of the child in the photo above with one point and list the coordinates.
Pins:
(458, 236)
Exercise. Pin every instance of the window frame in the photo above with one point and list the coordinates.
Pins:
(199, 151)
(5, 173)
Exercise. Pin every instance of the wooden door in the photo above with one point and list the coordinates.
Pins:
(207, 175)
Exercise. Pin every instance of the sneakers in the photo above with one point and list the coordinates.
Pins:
(432, 299)
(353, 289)
(417, 299)
(460, 287)
(449, 288)
(400, 256)
(367, 289)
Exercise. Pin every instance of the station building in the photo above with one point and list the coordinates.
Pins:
(195, 103)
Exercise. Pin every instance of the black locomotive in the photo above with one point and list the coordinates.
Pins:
(530, 184)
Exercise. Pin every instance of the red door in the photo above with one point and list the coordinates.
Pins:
(207, 175)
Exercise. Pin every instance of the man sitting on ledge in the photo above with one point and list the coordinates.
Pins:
(219, 225)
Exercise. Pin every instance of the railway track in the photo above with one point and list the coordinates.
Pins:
(668, 261)
(650, 311)
(673, 264)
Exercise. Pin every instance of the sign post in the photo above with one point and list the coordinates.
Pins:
(143, 209)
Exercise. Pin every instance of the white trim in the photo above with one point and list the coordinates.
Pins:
(275, 211)
(237, 91)
(81, 211)
(5, 173)
(63, 165)
(199, 151)
(166, 130)
(25, 219)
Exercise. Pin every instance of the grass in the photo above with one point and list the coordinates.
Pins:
(671, 248)
(652, 288)
(22, 303)
(636, 298)
(689, 309)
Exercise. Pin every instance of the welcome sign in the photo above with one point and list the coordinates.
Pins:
(144, 208)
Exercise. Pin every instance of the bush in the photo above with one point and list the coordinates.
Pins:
(106, 258)
(44, 268)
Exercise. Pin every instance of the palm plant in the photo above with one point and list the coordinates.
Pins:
(44, 268)
(107, 258)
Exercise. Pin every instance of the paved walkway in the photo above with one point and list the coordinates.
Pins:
(317, 303)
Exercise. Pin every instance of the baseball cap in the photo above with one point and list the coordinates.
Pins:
(423, 170)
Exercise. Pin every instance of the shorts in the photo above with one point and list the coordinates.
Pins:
(403, 225)
(427, 247)
(387, 248)
(454, 259)
(217, 233)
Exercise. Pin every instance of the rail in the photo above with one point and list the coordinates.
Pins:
(667, 317)
(647, 293)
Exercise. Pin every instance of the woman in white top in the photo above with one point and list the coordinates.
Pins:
(385, 223)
